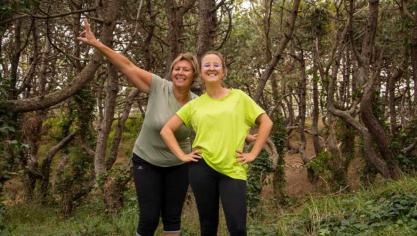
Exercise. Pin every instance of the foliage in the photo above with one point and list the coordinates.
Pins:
(346, 134)
(8, 8)
(279, 138)
(10, 147)
(320, 165)
(279, 135)
(258, 170)
(73, 178)
(389, 211)
(89, 219)
(130, 133)
(403, 138)
(83, 109)
(381, 210)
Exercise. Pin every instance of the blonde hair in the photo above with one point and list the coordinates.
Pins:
(186, 56)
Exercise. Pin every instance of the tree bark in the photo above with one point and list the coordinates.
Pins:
(175, 14)
(302, 90)
(120, 127)
(366, 103)
(105, 125)
(207, 26)
(316, 112)
(45, 168)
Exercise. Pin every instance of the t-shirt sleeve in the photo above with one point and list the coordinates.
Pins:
(252, 110)
(184, 114)
(156, 84)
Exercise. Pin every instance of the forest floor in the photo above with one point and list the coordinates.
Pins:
(297, 183)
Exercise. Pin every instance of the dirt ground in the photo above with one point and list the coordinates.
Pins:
(295, 172)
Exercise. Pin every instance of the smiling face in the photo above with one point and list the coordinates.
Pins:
(182, 74)
(212, 69)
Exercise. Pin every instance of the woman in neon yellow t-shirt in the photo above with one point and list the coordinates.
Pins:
(221, 118)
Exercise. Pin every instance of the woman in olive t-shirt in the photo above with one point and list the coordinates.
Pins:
(161, 179)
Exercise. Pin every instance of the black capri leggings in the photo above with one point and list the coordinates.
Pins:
(208, 185)
(161, 193)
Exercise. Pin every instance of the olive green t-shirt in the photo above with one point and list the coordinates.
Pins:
(221, 126)
(162, 105)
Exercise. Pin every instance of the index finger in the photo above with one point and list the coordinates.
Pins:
(87, 25)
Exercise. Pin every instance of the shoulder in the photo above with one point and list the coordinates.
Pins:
(240, 93)
(159, 84)
(158, 81)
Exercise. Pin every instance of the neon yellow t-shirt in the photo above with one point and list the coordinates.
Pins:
(221, 127)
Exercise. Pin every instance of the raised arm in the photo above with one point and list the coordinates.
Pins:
(265, 126)
(140, 78)
(168, 136)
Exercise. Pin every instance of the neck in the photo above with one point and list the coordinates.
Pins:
(215, 90)
(181, 94)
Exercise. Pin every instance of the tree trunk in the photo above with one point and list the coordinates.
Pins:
(316, 112)
(207, 26)
(46, 166)
(175, 16)
(302, 90)
(113, 188)
(120, 127)
(105, 125)
(366, 104)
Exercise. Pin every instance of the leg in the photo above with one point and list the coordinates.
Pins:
(174, 191)
(203, 181)
(148, 189)
(233, 196)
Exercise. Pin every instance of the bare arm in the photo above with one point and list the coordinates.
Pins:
(140, 78)
(168, 136)
(265, 126)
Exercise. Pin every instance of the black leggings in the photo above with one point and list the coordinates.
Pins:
(161, 192)
(208, 185)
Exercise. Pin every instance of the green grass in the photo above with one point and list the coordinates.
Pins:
(389, 209)
(386, 209)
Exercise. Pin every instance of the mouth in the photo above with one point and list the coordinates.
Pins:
(180, 79)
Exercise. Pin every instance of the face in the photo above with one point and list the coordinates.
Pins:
(182, 74)
(212, 69)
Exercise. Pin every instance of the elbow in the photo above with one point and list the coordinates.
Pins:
(163, 132)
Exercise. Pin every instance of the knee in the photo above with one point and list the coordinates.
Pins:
(148, 223)
(172, 223)
(239, 231)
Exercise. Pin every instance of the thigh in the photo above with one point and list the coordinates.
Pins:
(174, 192)
(204, 183)
(148, 183)
(233, 197)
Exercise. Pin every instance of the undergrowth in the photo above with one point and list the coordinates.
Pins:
(388, 209)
